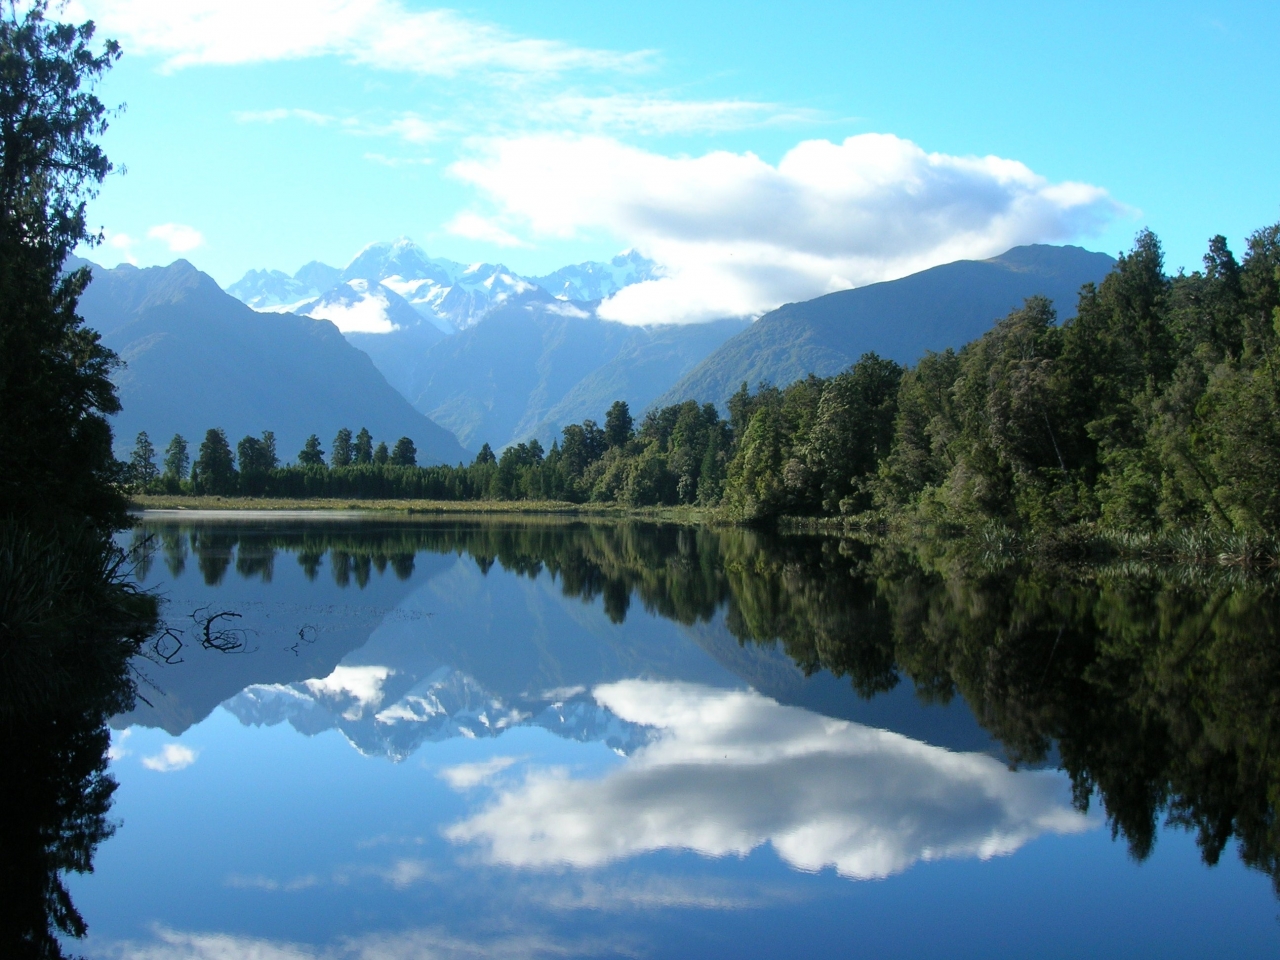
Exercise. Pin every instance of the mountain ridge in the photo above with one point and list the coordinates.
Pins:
(197, 358)
(944, 306)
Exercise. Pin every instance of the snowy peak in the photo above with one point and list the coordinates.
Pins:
(382, 718)
(371, 293)
(363, 306)
(404, 259)
(595, 281)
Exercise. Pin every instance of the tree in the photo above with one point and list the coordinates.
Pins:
(311, 455)
(485, 455)
(404, 454)
(617, 424)
(363, 449)
(257, 460)
(176, 459)
(55, 389)
(142, 463)
(381, 455)
(342, 452)
(215, 469)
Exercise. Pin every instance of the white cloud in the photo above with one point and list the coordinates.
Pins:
(731, 771)
(475, 227)
(118, 750)
(739, 236)
(174, 756)
(179, 237)
(464, 776)
(420, 944)
(361, 685)
(385, 34)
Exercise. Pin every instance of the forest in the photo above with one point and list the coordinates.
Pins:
(1153, 408)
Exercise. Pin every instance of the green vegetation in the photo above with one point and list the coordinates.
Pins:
(1155, 409)
(70, 618)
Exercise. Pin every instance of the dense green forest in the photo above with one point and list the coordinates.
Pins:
(1155, 407)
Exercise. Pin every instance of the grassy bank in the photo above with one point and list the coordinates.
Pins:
(512, 508)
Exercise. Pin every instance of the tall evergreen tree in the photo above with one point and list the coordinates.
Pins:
(176, 459)
(341, 454)
(381, 455)
(142, 463)
(311, 454)
(404, 454)
(215, 469)
(55, 389)
(362, 451)
(618, 424)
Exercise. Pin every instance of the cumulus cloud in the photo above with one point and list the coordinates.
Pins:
(385, 34)
(179, 237)
(731, 771)
(475, 227)
(360, 686)
(739, 236)
(174, 756)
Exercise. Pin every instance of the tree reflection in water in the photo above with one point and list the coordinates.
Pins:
(1158, 689)
(69, 623)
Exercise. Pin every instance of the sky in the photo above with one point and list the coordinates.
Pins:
(759, 152)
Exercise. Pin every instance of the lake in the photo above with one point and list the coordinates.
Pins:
(518, 738)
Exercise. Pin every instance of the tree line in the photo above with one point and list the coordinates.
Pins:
(1156, 406)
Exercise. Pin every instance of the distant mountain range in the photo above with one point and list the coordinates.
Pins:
(383, 278)
(946, 306)
(490, 355)
(198, 358)
(500, 358)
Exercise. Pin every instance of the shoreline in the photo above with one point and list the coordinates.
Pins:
(329, 508)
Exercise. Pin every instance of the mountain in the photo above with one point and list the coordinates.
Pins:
(276, 290)
(529, 368)
(595, 281)
(198, 358)
(945, 306)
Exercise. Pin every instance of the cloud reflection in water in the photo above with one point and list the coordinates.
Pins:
(732, 770)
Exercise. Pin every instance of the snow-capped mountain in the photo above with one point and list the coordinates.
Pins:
(595, 281)
(445, 704)
(276, 291)
(362, 306)
(449, 295)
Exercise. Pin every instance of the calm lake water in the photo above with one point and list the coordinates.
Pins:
(528, 739)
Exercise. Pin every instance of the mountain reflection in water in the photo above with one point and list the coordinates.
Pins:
(850, 705)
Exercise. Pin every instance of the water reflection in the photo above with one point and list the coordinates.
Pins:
(1154, 691)
(729, 771)
(848, 705)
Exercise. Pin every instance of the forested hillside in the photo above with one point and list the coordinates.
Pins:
(1156, 406)
(944, 306)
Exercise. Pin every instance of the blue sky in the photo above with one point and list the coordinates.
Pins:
(266, 133)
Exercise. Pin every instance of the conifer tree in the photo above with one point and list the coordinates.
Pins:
(142, 463)
(341, 455)
(404, 454)
(55, 389)
(176, 459)
(311, 455)
(382, 454)
(362, 451)
(215, 469)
